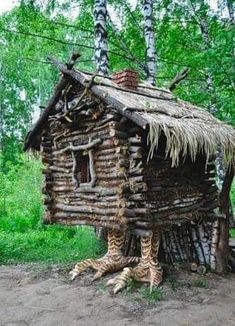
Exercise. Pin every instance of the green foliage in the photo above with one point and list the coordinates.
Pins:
(200, 283)
(20, 200)
(136, 291)
(35, 29)
(132, 286)
(22, 236)
(232, 233)
(51, 244)
(155, 295)
(233, 194)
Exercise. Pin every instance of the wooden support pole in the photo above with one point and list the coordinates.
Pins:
(222, 250)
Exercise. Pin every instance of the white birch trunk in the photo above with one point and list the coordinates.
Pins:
(212, 109)
(149, 41)
(220, 170)
(101, 45)
(101, 58)
(171, 239)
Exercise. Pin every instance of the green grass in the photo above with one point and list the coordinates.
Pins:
(155, 295)
(200, 283)
(137, 291)
(49, 245)
(23, 238)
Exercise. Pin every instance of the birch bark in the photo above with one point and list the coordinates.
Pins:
(149, 41)
(101, 45)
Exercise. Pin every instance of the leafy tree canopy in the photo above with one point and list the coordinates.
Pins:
(35, 29)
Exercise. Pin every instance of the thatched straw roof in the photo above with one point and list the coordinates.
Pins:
(188, 129)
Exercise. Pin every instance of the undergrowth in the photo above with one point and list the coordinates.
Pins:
(155, 295)
(138, 291)
(23, 238)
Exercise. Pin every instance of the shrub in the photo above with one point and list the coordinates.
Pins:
(23, 238)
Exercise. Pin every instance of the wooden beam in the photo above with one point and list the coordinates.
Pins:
(110, 100)
(87, 146)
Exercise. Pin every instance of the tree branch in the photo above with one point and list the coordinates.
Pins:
(79, 147)
(180, 76)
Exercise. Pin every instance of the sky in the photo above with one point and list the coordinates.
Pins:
(6, 5)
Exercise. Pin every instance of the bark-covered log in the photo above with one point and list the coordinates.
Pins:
(222, 249)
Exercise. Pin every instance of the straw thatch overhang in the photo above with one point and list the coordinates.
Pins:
(188, 129)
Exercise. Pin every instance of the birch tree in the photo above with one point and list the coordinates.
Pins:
(149, 41)
(101, 45)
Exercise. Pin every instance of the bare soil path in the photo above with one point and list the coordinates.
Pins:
(39, 296)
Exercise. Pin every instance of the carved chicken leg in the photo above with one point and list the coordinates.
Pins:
(113, 261)
(148, 269)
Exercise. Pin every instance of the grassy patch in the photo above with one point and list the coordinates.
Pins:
(137, 291)
(155, 295)
(49, 245)
(233, 194)
(132, 286)
(200, 283)
(23, 238)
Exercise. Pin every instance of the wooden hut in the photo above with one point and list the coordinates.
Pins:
(123, 155)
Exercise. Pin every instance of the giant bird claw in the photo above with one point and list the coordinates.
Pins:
(150, 273)
(107, 264)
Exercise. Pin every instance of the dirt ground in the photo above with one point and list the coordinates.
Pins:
(40, 296)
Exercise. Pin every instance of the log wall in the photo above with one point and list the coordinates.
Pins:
(127, 191)
(103, 203)
(180, 192)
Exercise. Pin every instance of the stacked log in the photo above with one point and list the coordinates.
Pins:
(103, 204)
(125, 191)
(174, 192)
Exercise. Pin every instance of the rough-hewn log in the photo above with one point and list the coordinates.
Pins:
(222, 250)
(71, 147)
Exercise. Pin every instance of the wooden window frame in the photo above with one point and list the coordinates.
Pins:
(90, 167)
(85, 147)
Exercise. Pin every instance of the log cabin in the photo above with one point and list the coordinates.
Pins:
(123, 155)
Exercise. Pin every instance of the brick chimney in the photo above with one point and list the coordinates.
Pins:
(126, 78)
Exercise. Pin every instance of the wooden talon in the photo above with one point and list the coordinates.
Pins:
(97, 275)
(122, 280)
(72, 275)
(112, 281)
(113, 261)
(148, 268)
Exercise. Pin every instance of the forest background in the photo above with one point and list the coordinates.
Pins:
(34, 29)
